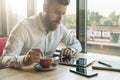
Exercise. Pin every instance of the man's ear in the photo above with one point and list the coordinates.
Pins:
(45, 7)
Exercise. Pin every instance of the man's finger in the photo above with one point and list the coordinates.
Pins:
(41, 52)
(37, 61)
(61, 53)
(65, 52)
(38, 50)
(34, 53)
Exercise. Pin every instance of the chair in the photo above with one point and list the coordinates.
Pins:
(2, 44)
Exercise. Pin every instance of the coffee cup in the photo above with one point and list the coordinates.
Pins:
(46, 62)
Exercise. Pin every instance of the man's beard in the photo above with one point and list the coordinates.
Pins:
(51, 25)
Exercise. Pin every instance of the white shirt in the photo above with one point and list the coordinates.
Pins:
(30, 33)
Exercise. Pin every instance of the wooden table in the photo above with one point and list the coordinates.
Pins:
(61, 73)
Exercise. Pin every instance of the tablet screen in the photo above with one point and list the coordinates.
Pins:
(82, 62)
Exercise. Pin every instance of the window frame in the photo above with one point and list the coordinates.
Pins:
(81, 27)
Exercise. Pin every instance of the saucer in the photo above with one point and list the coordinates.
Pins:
(38, 67)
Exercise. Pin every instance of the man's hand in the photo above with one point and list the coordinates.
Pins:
(66, 53)
(32, 56)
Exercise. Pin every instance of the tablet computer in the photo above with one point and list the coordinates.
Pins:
(79, 62)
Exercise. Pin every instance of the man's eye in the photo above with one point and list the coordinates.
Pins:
(57, 12)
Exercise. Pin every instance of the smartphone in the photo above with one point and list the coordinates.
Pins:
(84, 72)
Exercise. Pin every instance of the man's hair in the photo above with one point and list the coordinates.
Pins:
(64, 2)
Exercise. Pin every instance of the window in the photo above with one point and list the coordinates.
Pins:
(39, 6)
(11, 11)
(103, 26)
(16, 10)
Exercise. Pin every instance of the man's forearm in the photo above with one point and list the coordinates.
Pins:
(10, 61)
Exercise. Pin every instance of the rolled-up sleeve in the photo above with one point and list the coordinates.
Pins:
(70, 40)
(11, 53)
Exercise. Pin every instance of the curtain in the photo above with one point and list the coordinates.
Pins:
(16, 11)
(2, 17)
(11, 12)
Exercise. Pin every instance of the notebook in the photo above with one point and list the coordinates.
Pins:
(78, 62)
(114, 65)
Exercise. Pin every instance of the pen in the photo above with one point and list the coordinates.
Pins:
(104, 64)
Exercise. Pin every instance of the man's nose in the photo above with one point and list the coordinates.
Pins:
(60, 17)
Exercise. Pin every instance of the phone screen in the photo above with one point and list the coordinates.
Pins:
(84, 72)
